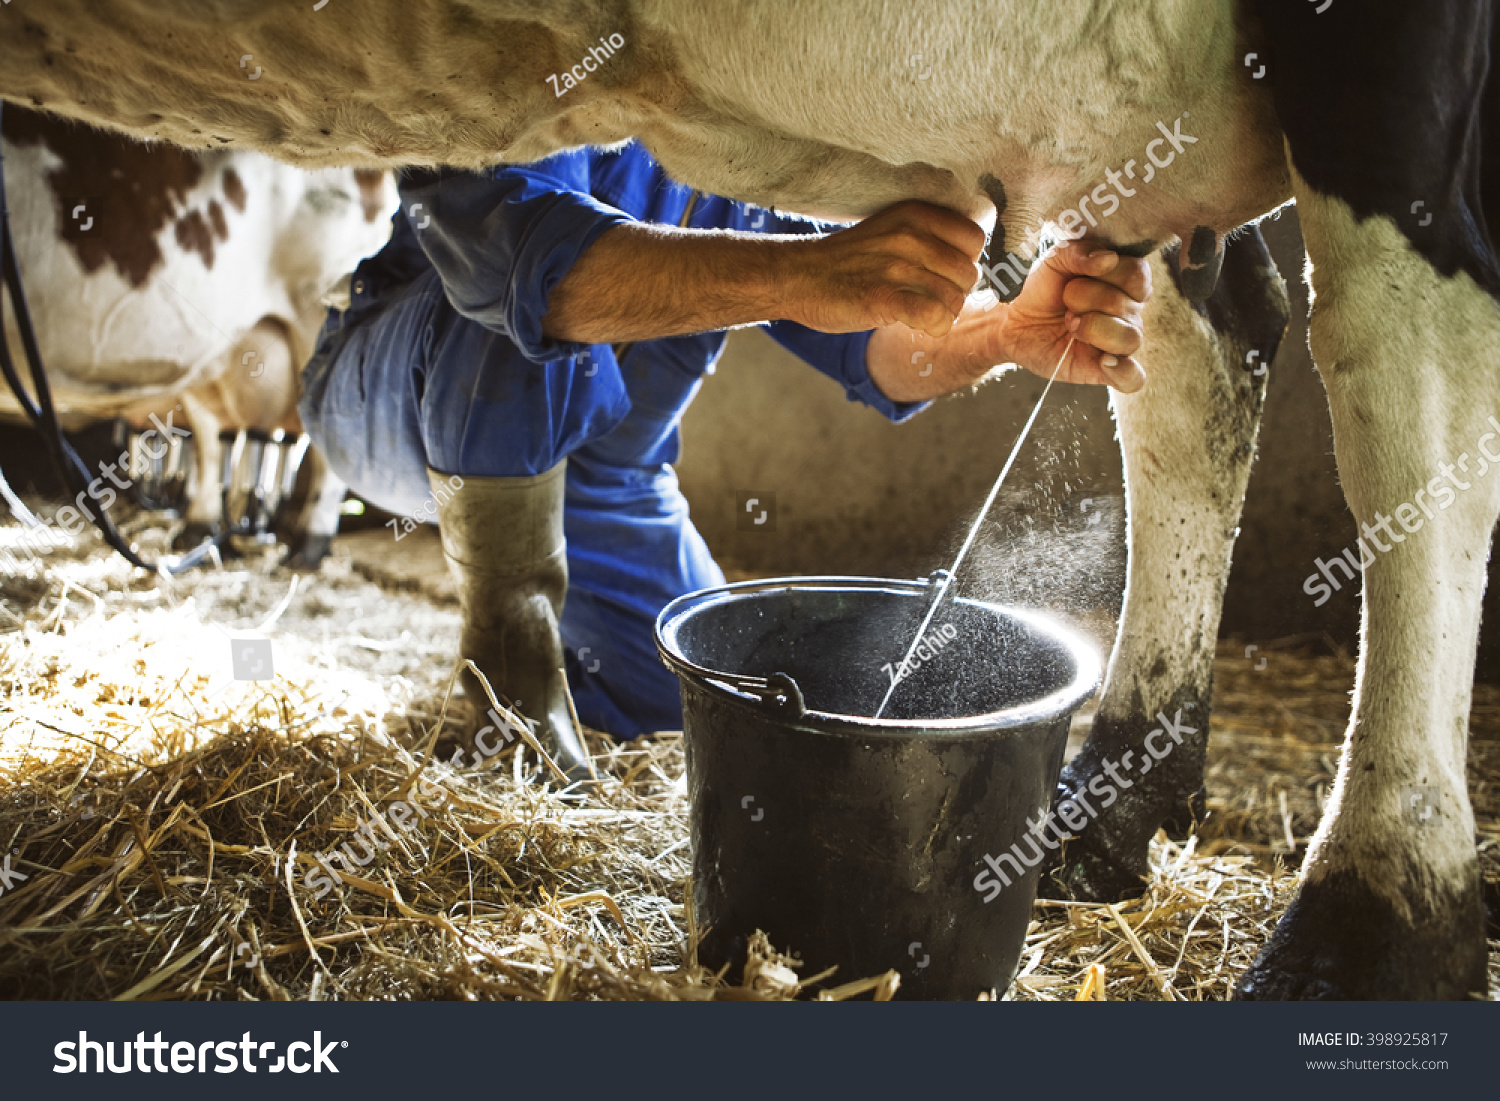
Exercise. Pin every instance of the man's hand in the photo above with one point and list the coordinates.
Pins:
(912, 264)
(1091, 294)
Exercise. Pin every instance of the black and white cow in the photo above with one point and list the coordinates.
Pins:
(184, 286)
(1143, 122)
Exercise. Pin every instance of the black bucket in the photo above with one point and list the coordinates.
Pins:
(856, 842)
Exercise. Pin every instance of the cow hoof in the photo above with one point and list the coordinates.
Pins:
(1082, 874)
(308, 553)
(193, 534)
(1341, 941)
(1125, 795)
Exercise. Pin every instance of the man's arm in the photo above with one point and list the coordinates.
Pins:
(911, 265)
(904, 273)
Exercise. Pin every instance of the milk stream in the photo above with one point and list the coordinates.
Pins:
(947, 584)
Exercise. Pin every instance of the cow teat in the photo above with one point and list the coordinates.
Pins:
(1200, 263)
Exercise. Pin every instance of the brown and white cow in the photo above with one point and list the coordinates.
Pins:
(1372, 116)
(185, 286)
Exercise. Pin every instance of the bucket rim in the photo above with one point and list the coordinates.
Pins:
(779, 695)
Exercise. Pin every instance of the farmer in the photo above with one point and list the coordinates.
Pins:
(517, 359)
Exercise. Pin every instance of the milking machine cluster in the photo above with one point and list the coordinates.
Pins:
(158, 472)
(257, 475)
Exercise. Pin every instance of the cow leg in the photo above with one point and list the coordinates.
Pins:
(1389, 905)
(204, 518)
(311, 514)
(309, 536)
(256, 389)
(1188, 440)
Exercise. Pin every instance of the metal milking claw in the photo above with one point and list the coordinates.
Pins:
(258, 475)
(158, 472)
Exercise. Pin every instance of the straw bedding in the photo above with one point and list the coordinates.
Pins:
(168, 817)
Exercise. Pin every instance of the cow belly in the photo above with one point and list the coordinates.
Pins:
(829, 108)
(1021, 95)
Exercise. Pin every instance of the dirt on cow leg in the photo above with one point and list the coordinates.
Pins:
(194, 532)
(1107, 861)
(307, 552)
(1342, 941)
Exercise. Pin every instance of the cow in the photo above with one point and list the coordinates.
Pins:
(184, 287)
(1156, 126)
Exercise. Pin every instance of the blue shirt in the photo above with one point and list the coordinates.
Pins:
(502, 240)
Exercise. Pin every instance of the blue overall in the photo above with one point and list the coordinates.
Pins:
(440, 361)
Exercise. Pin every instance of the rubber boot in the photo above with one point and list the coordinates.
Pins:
(503, 539)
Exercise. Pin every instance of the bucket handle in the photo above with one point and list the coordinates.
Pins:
(778, 691)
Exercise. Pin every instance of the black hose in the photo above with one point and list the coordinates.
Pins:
(42, 414)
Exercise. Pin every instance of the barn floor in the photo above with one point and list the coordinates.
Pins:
(161, 810)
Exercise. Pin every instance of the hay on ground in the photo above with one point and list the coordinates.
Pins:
(168, 818)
